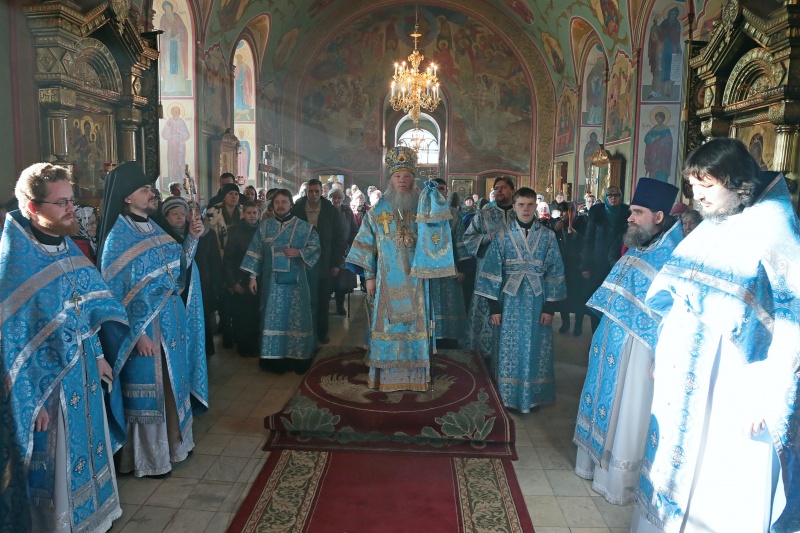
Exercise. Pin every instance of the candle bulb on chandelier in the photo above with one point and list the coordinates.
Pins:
(392, 89)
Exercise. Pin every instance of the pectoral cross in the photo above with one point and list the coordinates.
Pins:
(76, 301)
(384, 219)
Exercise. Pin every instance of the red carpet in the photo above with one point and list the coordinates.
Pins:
(334, 410)
(331, 492)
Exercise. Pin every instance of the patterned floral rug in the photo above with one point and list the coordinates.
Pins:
(333, 409)
(322, 492)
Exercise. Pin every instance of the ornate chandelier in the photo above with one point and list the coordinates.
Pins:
(417, 141)
(413, 90)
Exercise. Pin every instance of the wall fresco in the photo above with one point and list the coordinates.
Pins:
(566, 121)
(347, 81)
(620, 99)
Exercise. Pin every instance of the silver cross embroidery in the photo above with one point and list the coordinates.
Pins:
(75, 400)
(100, 449)
(94, 388)
(173, 344)
(80, 465)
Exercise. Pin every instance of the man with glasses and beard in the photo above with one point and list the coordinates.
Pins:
(614, 410)
(54, 436)
(384, 249)
(161, 364)
(722, 451)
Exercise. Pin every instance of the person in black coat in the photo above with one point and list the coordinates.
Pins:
(324, 217)
(602, 243)
(243, 303)
(346, 280)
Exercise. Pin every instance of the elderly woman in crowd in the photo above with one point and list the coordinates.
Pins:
(346, 279)
(86, 239)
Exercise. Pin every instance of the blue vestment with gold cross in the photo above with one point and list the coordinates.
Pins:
(52, 305)
(146, 270)
(286, 317)
(385, 250)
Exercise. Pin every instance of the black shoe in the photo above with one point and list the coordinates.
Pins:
(227, 341)
(341, 311)
(324, 340)
(578, 330)
(564, 327)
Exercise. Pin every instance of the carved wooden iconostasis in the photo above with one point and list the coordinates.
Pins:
(744, 84)
(97, 91)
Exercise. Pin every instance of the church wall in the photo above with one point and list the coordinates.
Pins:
(8, 169)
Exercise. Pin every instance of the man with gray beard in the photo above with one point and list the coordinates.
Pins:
(384, 251)
(614, 409)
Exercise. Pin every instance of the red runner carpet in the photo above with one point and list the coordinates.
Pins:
(333, 409)
(328, 492)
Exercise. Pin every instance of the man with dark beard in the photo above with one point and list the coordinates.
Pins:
(161, 363)
(55, 447)
(722, 452)
(383, 251)
(615, 403)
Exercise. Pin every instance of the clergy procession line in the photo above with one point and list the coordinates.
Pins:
(690, 403)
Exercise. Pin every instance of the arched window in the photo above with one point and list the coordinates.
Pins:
(177, 91)
(422, 137)
(244, 111)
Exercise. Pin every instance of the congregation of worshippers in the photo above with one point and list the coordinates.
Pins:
(692, 312)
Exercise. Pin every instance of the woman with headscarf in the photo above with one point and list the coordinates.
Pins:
(86, 239)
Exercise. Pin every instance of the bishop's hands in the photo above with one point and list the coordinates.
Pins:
(104, 369)
(42, 420)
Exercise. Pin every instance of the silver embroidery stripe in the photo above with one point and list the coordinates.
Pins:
(31, 286)
(146, 280)
(124, 259)
(725, 286)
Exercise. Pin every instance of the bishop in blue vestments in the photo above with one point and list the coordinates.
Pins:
(397, 249)
(55, 450)
(162, 363)
(614, 408)
(522, 277)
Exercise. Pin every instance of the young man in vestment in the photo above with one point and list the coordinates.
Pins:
(384, 251)
(162, 363)
(614, 408)
(486, 224)
(722, 451)
(447, 297)
(279, 261)
(55, 450)
(521, 278)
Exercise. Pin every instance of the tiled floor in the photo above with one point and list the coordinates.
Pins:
(204, 491)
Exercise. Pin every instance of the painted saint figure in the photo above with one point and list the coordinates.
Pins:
(175, 51)
(176, 133)
(658, 150)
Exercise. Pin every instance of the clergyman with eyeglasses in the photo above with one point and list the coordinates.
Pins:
(54, 435)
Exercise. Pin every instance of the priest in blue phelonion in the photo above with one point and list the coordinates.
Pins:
(486, 224)
(56, 466)
(161, 365)
(614, 408)
(521, 278)
(403, 241)
(281, 259)
(722, 451)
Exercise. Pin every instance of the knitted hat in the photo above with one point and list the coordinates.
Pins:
(173, 202)
(401, 158)
(655, 195)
